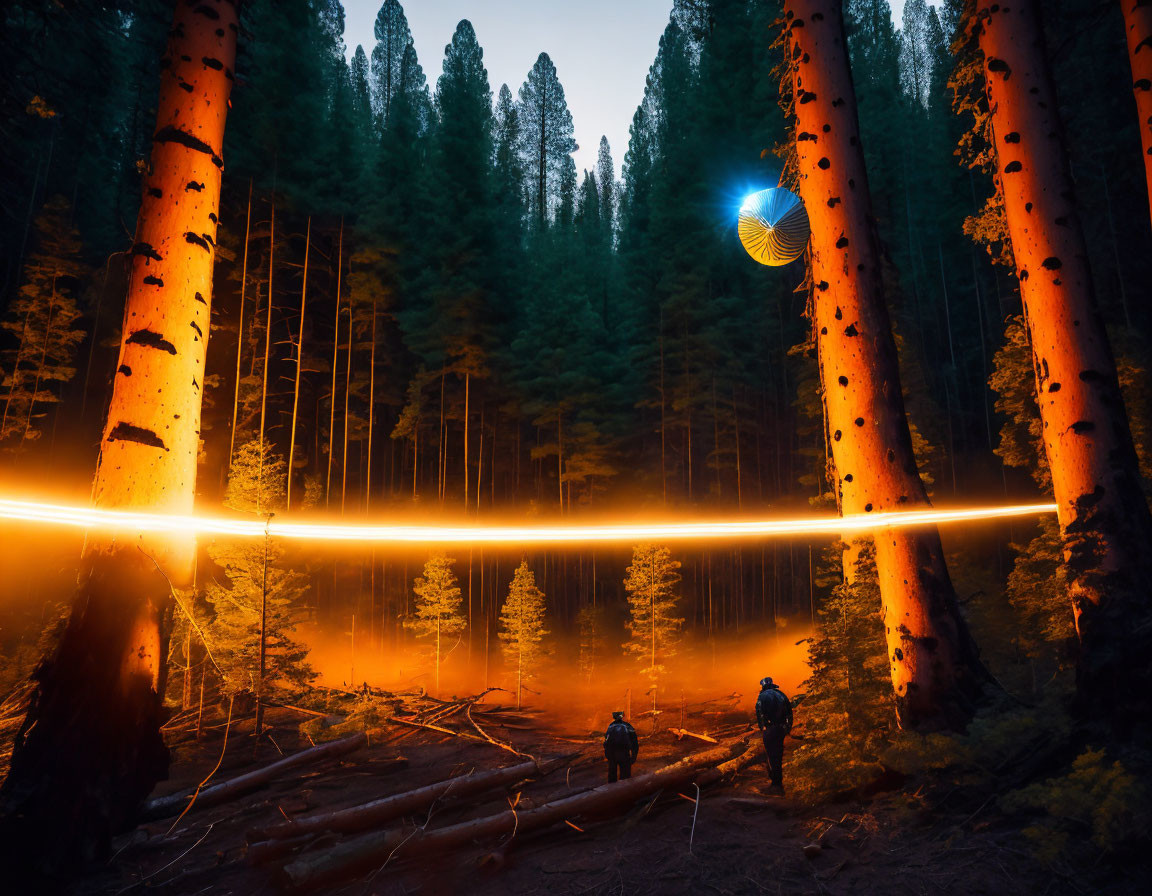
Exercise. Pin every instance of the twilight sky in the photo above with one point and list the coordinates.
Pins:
(601, 48)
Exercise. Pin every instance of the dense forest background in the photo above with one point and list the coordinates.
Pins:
(422, 307)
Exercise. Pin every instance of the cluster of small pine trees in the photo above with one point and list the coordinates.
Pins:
(653, 624)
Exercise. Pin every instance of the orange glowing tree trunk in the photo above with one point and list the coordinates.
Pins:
(1138, 26)
(90, 749)
(1103, 515)
(936, 674)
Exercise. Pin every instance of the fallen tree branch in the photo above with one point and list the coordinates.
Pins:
(361, 854)
(226, 790)
(682, 733)
(484, 734)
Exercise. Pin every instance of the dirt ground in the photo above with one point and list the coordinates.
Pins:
(735, 841)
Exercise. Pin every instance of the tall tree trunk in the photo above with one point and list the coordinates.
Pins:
(335, 351)
(240, 327)
(1100, 504)
(935, 671)
(90, 749)
(40, 366)
(299, 367)
(371, 412)
(347, 395)
(467, 393)
(1138, 25)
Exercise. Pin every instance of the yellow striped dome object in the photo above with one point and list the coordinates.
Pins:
(774, 226)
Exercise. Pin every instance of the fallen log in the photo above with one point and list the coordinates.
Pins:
(220, 793)
(372, 851)
(262, 841)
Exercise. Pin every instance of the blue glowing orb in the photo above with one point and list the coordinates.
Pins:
(773, 226)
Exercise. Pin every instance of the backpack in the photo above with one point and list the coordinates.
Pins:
(772, 707)
(617, 740)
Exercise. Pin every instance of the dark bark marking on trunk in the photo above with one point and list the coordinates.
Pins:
(193, 185)
(197, 241)
(206, 11)
(212, 63)
(153, 281)
(147, 251)
(125, 369)
(126, 432)
(200, 299)
(170, 134)
(196, 327)
(152, 340)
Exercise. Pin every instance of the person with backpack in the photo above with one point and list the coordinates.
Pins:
(620, 748)
(774, 715)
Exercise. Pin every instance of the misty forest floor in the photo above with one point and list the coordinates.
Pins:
(920, 839)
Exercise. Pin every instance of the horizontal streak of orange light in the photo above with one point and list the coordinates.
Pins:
(134, 521)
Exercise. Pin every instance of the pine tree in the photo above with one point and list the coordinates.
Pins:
(43, 319)
(256, 484)
(393, 38)
(522, 626)
(606, 178)
(653, 625)
(438, 608)
(545, 138)
(916, 51)
(847, 697)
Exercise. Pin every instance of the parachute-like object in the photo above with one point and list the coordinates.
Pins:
(774, 226)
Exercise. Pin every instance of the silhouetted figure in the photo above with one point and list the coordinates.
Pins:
(774, 715)
(620, 748)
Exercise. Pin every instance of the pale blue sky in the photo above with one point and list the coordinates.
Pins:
(601, 48)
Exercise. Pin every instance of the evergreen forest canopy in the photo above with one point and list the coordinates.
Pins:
(514, 335)
(420, 308)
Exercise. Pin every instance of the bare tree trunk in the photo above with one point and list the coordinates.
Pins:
(267, 348)
(240, 327)
(467, 388)
(90, 749)
(347, 395)
(371, 412)
(936, 674)
(299, 366)
(1138, 25)
(335, 350)
(40, 366)
(1100, 504)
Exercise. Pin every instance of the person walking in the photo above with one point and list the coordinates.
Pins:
(774, 715)
(620, 748)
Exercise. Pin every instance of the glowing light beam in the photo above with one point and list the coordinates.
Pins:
(397, 533)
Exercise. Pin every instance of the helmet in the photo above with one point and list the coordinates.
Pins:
(618, 716)
(765, 682)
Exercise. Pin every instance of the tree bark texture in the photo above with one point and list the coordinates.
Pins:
(936, 673)
(1138, 27)
(90, 748)
(1100, 504)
